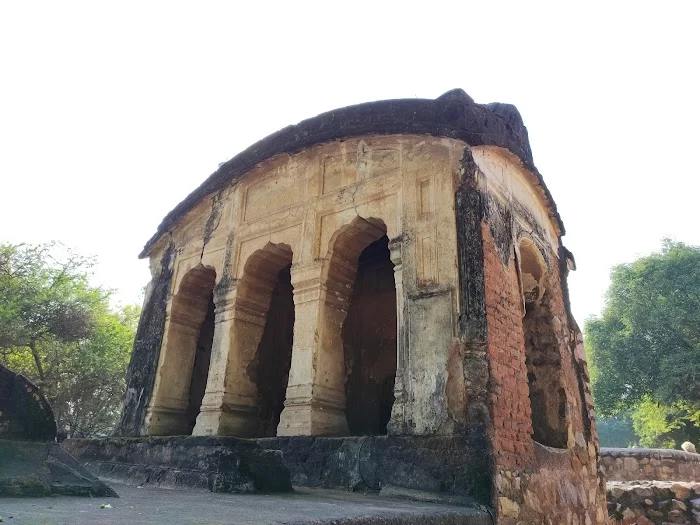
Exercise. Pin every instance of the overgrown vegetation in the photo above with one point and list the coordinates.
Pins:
(60, 332)
(645, 347)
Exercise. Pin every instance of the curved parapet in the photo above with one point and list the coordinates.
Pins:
(25, 414)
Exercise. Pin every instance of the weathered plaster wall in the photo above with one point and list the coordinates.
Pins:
(632, 464)
(149, 336)
(320, 208)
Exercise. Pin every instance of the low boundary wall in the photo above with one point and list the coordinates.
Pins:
(635, 464)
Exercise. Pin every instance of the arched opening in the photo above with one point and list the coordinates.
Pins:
(542, 353)
(265, 328)
(274, 354)
(184, 366)
(369, 342)
(360, 326)
(200, 369)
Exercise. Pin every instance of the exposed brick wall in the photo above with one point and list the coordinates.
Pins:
(533, 483)
(512, 426)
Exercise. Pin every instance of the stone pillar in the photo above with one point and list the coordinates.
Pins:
(397, 422)
(315, 400)
(229, 407)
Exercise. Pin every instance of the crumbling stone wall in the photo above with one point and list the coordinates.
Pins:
(534, 483)
(653, 503)
(648, 486)
(633, 464)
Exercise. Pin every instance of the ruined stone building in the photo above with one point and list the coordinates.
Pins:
(389, 269)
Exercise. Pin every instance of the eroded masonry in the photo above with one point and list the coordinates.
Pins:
(390, 269)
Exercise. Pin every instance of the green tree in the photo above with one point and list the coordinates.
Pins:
(665, 426)
(44, 298)
(617, 431)
(60, 331)
(645, 347)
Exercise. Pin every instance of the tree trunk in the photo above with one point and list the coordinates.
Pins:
(37, 361)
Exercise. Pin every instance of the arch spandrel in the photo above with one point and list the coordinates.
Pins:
(505, 176)
(382, 213)
(186, 262)
(289, 236)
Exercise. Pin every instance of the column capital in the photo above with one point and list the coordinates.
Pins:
(395, 251)
(302, 272)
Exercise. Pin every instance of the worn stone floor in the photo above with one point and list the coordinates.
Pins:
(305, 506)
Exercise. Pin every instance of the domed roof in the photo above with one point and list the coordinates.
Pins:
(452, 115)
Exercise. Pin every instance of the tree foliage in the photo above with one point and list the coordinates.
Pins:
(665, 426)
(645, 347)
(59, 331)
(617, 431)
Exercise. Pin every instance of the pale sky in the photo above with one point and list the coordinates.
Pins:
(111, 113)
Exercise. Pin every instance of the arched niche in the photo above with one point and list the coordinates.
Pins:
(542, 350)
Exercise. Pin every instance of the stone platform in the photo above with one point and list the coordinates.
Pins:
(437, 468)
(213, 463)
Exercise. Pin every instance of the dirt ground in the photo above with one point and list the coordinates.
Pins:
(156, 506)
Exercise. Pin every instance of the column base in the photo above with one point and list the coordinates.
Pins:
(310, 420)
(161, 421)
(227, 421)
(397, 423)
